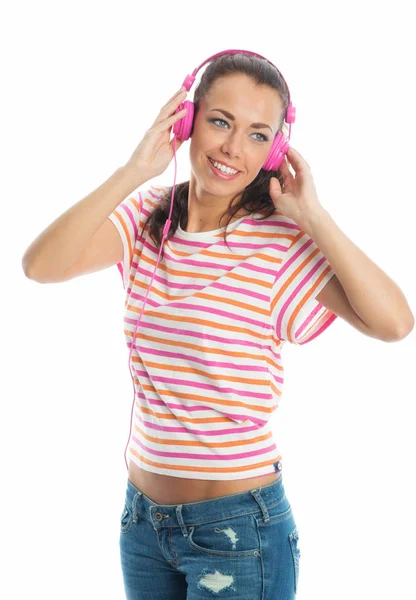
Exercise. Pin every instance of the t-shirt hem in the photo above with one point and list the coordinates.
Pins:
(207, 476)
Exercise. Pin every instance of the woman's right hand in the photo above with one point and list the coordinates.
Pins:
(154, 153)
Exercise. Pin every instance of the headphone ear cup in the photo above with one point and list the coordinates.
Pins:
(277, 153)
(183, 127)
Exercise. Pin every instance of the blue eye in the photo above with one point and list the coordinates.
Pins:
(265, 138)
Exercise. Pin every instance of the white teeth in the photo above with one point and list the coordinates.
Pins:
(224, 169)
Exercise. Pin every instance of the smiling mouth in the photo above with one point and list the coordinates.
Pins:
(212, 162)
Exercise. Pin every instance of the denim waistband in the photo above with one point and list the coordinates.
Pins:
(255, 500)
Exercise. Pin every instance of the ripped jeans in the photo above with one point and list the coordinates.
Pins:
(241, 546)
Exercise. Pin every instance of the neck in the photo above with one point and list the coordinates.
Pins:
(205, 210)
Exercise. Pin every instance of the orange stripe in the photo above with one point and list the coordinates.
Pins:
(240, 257)
(288, 281)
(276, 390)
(173, 297)
(206, 374)
(316, 325)
(216, 351)
(304, 300)
(159, 189)
(179, 344)
(272, 362)
(213, 401)
(196, 275)
(206, 323)
(196, 444)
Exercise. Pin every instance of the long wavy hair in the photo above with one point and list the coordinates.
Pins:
(255, 197)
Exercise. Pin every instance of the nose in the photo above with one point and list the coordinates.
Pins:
(232, 144)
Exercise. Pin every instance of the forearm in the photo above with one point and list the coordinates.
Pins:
(373, 295)
(59, 245)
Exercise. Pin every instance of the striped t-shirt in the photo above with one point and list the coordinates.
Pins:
(207, 366)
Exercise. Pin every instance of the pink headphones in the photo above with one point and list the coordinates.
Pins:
(182, 128)
(182, 131)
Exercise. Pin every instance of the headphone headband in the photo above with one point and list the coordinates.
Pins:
(189, 79)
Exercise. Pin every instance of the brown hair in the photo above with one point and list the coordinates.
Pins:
(255, 197)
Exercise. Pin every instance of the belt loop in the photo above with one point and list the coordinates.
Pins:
(180, 520)
(257, 495)
(136, 496)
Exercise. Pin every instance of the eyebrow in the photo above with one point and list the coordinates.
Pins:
(230, 116)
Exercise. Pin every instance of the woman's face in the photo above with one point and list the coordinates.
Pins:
(236, 142)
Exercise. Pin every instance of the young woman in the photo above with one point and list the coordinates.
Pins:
(205, 508)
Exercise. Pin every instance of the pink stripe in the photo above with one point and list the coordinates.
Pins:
(121, 270)
(220, 243)
(131, 219)
(321, 329)
(206, 386)
(198, 408)
(238, 418)
(197, 456)
(191, 334)
(289, 262)
(177, 356)
(181, 286)
(204, 310)
(156, 196)
(300, 285)
(283, 224)
(145, 211)
(203, 408)
(224, 267)
(306, 322)
(196, 432)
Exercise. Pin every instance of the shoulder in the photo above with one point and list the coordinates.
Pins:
(149, 197)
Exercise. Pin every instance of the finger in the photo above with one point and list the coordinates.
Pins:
(170, 108)
(296, 159)
(181, 92)
(166, 123)
(275, 185)
(284, 169)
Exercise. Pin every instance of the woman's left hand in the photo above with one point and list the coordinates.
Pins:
(300, 199)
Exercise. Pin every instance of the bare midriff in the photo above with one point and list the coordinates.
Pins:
(164, 489)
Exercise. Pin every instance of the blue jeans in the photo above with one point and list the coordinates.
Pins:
(242, 546)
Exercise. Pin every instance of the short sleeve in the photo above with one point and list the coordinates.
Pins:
(297, 316)
(126, 218)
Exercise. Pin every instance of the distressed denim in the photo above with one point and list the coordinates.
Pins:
(242, 547)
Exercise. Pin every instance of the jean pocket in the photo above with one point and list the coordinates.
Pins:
(126, 519)
(233, 537)
(294, 545)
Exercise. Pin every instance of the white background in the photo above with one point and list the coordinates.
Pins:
(82, 81)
